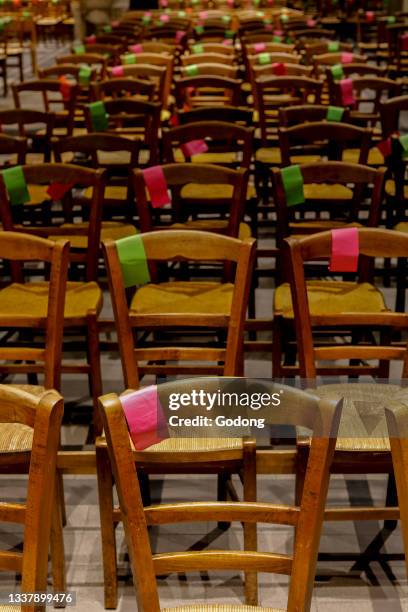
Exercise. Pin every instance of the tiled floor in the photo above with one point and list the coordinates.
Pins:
(345, 582)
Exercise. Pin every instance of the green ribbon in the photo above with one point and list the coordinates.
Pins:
(192, 70)
(284, 18)
(99, 116)
(335, 113)
(391, 19)
(292, 180)
(129, 58)
(337, 72)
(16, 185)
(229, 34)
(107, 29)
(333, 46)
(133, 261)
(199, 29)
(197, 49)
(84, 75)
(264, 58)
(79, 49)
(404, 143)
(146, 20)
(226, 18)
(181, 14)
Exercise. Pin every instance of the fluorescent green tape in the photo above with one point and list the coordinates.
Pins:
(292, 180)
(84, 75)
(335, 113)
(133, 262)
(264, 58)
(129, 58)
(333, 46)
(192, 70)
(99, 116)
(197, 49)
(16, 185)
(79, 49)
(337, 72)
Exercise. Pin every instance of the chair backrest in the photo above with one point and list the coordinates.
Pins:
(193, 246)
(179, 175)
(67, 176)
(373, 243)
(294, 115)
(209, 69)
(390, 111)
(381, 87)
(331, 173)
(44, 415)
(17, 249)
(219, 136)
(331, 59)
(147, 72)
(228, 114)
(229, 91)
(136, 118)
(96, 60)
(207, 57)
(24, 118)
(213, 47)
(320, 416)
(15, 146)
(123, 87)
(327, 137)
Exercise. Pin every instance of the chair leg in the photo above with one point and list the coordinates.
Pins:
(222, 493)
(95, 378)
(401, 284)
(57, 549)
(108, 540)
(390, 501)
(250, 529)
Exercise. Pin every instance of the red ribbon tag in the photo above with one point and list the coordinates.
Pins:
(180, 34)
(404, 41)
(345, 250)
(136, 48)
(157, 186)
(369, 16)
(347, 95)
(56, 191)
(65, 88)
(346, 58)
(311, 23)
(194, 147)
(90, 40)
(279, 69)
(145, 417)
(118, 71)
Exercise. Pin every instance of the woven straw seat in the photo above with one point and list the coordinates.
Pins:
(328, 297)
(115, 192)
(196, 191)
(8, 608)
(323, 191)
(272, 155)
(402, 227)
(375, 157)
(390, 189)
(183, 297)
(112, 230)
(185, 445)
(362, 425)
(220, 608)
(208, 158)
(31, 299)
(320, 225)
(38, 194)
(212, 225)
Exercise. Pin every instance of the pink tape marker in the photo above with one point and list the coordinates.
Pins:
(91, 40)
(279, 69)
(278, 32)
(56, 191)
(259, 47)
(145, 417)
(157, 186)
(227, 42)
(194, 147)
(147, 15)
(203, 15)
(347, 95)
(346, 58)
(180, 34)
(369, 16)
(230, 3)
(164, 3)
(345, 250)
(136, 48)
(164, 18)
(269, 27)
(118, 71)
(270, 2)
(311, 23)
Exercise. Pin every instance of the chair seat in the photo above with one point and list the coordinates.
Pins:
(332, 297)
(183, 297)
(208, 158)
(31, 300)
(112, 192)
(185, 445)
(220, 608)
(7, 608)
(15, 437)
(272, 155)
(325, 191)
(375, 157)
(212, 225)
(165, 115)
(319, 225)
(390, 189)
(402, 227)
(38, 194)
(214, 191)
(362, 424)
(113, 230)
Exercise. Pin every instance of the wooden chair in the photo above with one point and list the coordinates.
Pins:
(228, 114)
(206, 197)
(303, 113)
(83, 299)
(40, 417)
(15, 147)
(322, 47)
(359, 448)
(307, 518)
(117, 156)
(133, 119)
(64, 119)
(213, 47)
(124, 87)
(147, 72)
(27, 125)
(94, 60)
(155, 59)
(207, 57)
(318, 178)
(110, 51)
(223, 91)
(209, 69)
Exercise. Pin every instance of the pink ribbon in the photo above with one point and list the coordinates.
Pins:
(347, 95)
(344, 250)
(164, 3)
(227, 42)
(118, 71)
(194, 147)
(259, 47)
(157, 186)
(145, 417)
(311, 23)
(278, 32)
(180, 34)
(203, 15)
(136, 48)
(369, 16)
(346, 58)
(164, 18)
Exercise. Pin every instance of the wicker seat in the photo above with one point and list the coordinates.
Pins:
(183, 297)
(328, 297)
(8, 608)
(208, 158)
(323, 191)
(375, 157)
(111, 230)
(198, 191)
(272, 155)
(220, 608)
